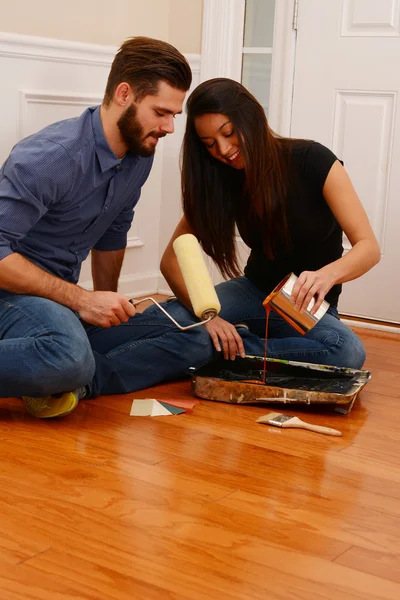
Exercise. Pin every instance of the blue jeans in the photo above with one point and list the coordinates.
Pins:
(44, 348)
(146, 350)
(149, 349)
(330, 342)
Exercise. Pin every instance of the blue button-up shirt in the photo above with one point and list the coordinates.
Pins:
(63, 191)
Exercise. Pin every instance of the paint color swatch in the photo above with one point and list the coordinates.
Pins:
(173, 409)
(150, 407)
(180, 403)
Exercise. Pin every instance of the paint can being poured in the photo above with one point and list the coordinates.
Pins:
(280, 300)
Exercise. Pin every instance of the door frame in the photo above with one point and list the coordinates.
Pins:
(221, 54)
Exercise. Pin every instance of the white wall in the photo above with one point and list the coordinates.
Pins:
(45, 80)
(105, 22)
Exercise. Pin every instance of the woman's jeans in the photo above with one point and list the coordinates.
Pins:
(45, 349)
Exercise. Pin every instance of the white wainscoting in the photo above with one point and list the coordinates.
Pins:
(46, 80)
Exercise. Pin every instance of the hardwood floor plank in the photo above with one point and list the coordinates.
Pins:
(346, 522)
(121, 498)
(385, 362)
(385, 454)
(282, 507)
(28, 583)
(365, 333)
(56, 574)
(141, 584)
(381, 375)
(16, 548)
(236, 584)
(390, 346)
(386, 389)
(381, 405)
(58, 440)
(203, 560)
(77, 444)
(198, 479)
(382, 564)
(238, 423)
(309, 471)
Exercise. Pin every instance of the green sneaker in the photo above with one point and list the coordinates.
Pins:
(49, 407)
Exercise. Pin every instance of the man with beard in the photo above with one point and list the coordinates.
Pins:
(64, 191)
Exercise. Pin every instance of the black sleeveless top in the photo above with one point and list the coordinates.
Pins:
(315, 235)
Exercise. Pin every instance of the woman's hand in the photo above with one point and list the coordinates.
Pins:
(309, 285)
(225, 334)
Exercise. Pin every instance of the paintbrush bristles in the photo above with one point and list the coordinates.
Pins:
(272, 415)
(275, 419)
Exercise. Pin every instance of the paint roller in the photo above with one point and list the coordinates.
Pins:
(198, 282)
(197, 279)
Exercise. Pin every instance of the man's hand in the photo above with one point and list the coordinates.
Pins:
(104, 309)
(225, 334)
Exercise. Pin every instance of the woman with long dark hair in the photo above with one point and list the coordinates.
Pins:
(290, 200)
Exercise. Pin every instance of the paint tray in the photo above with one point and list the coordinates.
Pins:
(287, 382)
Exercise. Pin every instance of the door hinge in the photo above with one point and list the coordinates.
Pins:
(295, 14)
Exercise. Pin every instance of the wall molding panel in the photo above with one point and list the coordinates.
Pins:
(13, 45)
(32, 100)
(34, 47)
(46, 80)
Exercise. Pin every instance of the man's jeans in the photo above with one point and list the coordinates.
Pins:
(43, 348)
(53, 352)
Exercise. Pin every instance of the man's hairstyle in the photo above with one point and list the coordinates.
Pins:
(143, 62)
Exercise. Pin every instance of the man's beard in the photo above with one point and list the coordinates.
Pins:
(132, 133)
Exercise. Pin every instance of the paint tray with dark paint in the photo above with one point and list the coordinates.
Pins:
(241, 382)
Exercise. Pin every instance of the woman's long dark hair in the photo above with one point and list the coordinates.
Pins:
(216, 197)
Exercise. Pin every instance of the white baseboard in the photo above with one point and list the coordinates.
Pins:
(165, 292)
(367, 325)
(162, 286)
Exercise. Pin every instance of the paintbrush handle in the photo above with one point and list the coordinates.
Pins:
(296, 422)
(321, 429)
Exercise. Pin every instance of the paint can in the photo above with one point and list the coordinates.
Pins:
(281, 302)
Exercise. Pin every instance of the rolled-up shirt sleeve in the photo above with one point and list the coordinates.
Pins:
(36, 174)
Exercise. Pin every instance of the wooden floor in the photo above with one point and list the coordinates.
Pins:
(203, 506)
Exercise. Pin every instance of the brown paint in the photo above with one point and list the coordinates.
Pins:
(267, 313)
(264, 379)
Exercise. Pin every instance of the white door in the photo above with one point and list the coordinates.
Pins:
(347, 96)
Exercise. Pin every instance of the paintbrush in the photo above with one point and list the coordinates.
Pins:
(281, 420)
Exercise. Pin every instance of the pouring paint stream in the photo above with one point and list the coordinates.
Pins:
(264, 379)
